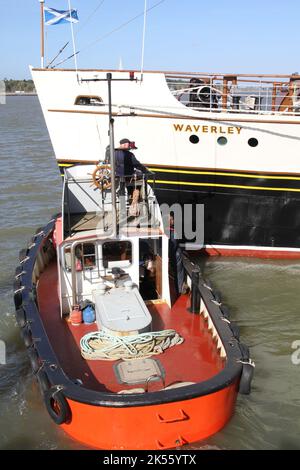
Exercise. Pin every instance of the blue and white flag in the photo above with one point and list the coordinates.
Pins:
(53, 16)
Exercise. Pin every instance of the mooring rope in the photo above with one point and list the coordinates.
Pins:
(103, 346)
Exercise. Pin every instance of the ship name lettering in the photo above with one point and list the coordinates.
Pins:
(205, 129)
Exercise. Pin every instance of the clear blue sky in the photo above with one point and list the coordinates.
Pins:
(234, 36)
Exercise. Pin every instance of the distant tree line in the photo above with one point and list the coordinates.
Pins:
(19, 85)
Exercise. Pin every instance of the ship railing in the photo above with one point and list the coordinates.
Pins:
(95, 201)
(244, 94)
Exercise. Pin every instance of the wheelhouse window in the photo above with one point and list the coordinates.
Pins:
(85, 254)
(89, 101)
(117, 252)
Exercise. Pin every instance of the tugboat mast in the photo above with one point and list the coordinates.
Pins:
(112, 159)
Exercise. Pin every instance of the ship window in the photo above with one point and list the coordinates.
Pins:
(222, 140)
(117, 253)
(85, 257)
(194, 139)
(253, 142)
(85, 254)
(89, 101)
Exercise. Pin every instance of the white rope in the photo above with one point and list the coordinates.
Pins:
(103, 346)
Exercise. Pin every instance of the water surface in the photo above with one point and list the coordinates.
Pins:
(263, 297)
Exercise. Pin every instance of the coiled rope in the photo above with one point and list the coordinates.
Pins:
(103, 346)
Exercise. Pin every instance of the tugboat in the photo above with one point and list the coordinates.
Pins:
(113, 346)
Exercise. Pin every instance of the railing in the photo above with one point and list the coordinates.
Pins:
(99, 198)
(250, 94)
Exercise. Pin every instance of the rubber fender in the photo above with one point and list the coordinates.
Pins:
(225, 312)
(57, 406)
(22, 254)
(56, 215)
(246, 379)
(244, 352)
(217, 296)
(21, 317)
(18, 270)
(235, 330)
(30, 242)
(18, 298)
(43, 381)
(34, 359)
(17, 284)
(26, 336)
(207, 283)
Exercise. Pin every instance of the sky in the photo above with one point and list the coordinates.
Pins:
(217, 36)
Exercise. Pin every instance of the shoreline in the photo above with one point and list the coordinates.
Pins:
(20, 94)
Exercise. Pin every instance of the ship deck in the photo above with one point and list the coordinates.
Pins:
(195, 360)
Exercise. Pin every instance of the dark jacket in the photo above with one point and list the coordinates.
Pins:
(126, 163)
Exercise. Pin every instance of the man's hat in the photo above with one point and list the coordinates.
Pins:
(127, 141)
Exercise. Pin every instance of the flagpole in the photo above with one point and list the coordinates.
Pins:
(42, 2)
(73, 37)
(143, 43)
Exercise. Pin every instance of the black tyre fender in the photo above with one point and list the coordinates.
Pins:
(217, 296)
(26, 336)
(39, 230)
(43, 381)
(18, 299)
(22, 254)
(246, 379)
(208, 284)
(57, 406)
(235, 330)
(34, 359)
(21, 317)
(225, 312)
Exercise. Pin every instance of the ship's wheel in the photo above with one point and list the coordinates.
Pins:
(102, 177)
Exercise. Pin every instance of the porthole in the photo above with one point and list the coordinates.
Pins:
(194, 139)
(253, 142)
(222, 140)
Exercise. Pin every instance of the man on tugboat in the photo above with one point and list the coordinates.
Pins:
(126, 162)
(126, 166)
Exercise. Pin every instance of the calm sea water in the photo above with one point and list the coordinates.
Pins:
(263, 296)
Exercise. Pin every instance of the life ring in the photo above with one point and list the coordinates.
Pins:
(102, 177)
(57, 406)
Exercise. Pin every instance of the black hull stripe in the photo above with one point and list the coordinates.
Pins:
(196, 179)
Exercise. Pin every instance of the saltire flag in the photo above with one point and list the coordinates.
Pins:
(53, 16)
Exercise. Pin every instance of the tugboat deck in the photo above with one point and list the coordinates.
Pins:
(197, 359)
